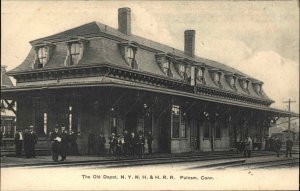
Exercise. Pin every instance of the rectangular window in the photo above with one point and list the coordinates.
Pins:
(175, 110)
(183, 129)
(130, 56)
(175, 121)
(175, 131)
(201, 75)
(246, 84)
(259, 89)
(42, 57)
(232, 81)
(182, 68)
(166, 67)
(206, 130)
(75, 53)
(218, 130)
(183, 71)
(218, 77)
(45, 123)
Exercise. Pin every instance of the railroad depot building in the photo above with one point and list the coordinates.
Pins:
(100, 79)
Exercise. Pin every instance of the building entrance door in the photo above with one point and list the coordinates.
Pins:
(195, 136)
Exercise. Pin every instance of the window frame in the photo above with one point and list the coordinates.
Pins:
(77, 46)
(42, 56)
(218, 77)
(233, 81)
(183, 129)
(201, 77)
(167, 67)
(182, 70)
(259, 88)
(130, 56)
(176, 123)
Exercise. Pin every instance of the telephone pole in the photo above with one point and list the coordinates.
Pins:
(289, 124)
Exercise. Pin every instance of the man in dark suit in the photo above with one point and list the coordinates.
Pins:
(112, 144)
(55, 139)
(132, 144)
(289, 145)
(18, 143)
(33, 141)
(64, 143)
(140, 142)
(27, 143)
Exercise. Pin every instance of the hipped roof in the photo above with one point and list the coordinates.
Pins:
(96, 28)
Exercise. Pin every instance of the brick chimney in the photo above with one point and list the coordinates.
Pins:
(124, 20)
(189, 42)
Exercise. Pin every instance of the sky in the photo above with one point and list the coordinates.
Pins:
(258, 38)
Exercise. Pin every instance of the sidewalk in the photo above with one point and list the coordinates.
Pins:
(157, 157)
(47, 160)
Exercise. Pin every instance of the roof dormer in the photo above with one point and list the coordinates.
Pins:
(257, 85)
(245, 82)
(128, 51)
(216, 75)
(43, 53)
(164, 62)
(75, 50)
(232, 80)
(200, 74)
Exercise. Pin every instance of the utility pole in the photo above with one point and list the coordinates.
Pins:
(289, 125)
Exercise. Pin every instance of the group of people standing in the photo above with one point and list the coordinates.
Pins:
(274, 144)
(28, 139)
(122, 145)
(63, 143)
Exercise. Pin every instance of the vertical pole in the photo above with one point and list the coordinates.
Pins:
(289, 125)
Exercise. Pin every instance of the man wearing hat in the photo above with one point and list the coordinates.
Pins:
(33, 141)
(55, 140)
(27, 143)
(112, 144)
(64, 142)
(289, 146)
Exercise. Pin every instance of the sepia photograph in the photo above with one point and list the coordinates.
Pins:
(149, 95)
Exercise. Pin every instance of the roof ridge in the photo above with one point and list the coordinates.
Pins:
(89, 23)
